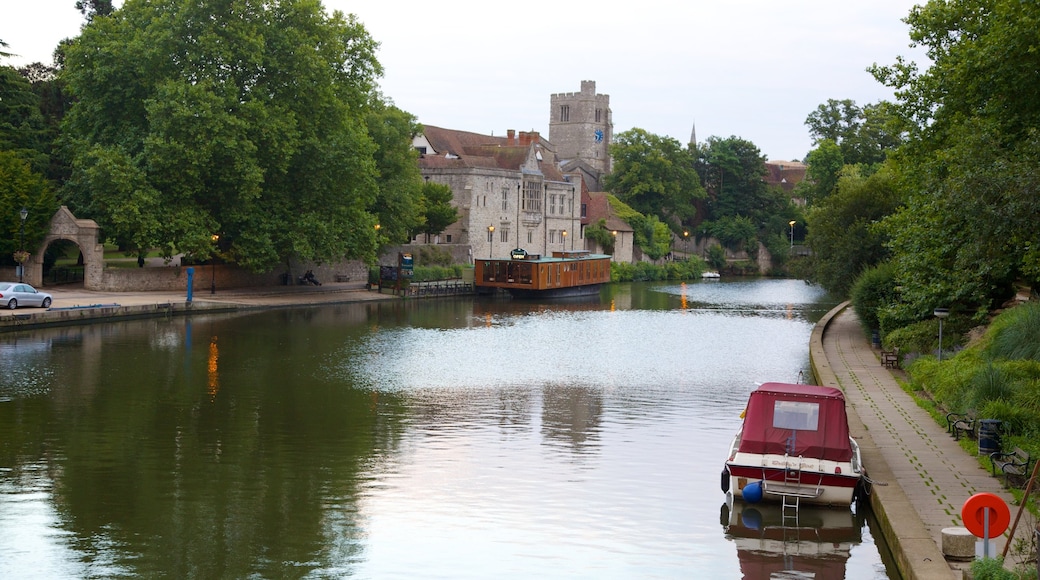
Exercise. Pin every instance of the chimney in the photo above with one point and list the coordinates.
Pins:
(528, 137)
(511, 134)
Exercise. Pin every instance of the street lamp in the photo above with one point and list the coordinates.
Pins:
(686, 243)
(213, 268)
(791, 223)
(491, 238)
(564, 239)
(941, 313)
(614, 233)
(21, 244)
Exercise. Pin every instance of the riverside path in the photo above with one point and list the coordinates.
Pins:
(923, 477)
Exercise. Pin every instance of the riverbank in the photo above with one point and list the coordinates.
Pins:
(74, 305)
(923, 477)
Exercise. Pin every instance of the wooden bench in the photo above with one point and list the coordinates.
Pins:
(957, 423)
(890, 358)
(1014, 464)
(343, 277)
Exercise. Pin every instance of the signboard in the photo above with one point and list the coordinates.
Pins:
(518, 254)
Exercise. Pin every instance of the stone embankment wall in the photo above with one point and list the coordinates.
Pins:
(166, 278)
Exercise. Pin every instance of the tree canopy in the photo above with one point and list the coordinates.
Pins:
(863, 134)
(843, 228)
(233, 126)
(968, 228)
(655, 176)
(733, 172)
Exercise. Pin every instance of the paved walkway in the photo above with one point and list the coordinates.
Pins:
(923, 476)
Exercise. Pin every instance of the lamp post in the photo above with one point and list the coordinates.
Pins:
(614, 233)
(564, 239)
(21, 244)
(686, 243)
(491, 238)
(941, 313)
(213, 268)
(791, 223)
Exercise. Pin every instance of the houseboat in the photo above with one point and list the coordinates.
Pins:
(793, 447)
(567, 273)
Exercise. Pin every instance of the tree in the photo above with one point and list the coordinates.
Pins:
(438, 212)
(399, 201)
(843, 228)
(968, 227)
(864, 134)
(823, 169)
(20, 187)
(22, 127)
(654, 175)
(732, 170)
(235, 125)
(93, 8)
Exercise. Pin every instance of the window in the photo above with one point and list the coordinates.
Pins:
(584, 210)
(504, 236)
(552, 236)
(532, 196)
(422, 150)
(530, 237)
(505, 198)
(565, 113)
(447, 237)
(794, 415)
(552, 203)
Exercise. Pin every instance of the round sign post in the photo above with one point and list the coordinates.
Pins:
(986, 516)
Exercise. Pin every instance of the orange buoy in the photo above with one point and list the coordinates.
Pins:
(974, 515)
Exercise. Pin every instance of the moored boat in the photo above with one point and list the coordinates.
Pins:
(794, 446)
(567, 273)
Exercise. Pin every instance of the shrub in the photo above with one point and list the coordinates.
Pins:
(872, 290)
(1017, 334)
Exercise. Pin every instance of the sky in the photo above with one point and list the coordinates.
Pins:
(753, 69)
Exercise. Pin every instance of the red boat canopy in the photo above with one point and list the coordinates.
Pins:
(797, 420)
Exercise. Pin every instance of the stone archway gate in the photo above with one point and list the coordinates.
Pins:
(65, 226)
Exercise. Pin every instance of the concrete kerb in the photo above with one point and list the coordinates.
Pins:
(916, 554)
(89, 307)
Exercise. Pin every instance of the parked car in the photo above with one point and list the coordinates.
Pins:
(15, 294)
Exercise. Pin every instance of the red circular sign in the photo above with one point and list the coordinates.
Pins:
(974, 514)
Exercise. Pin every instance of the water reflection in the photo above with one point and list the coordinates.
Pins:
(442, 438)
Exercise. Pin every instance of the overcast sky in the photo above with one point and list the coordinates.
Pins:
(750, 68)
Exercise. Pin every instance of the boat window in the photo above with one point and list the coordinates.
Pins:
(798, 416)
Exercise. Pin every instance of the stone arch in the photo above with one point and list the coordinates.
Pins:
(84, 233)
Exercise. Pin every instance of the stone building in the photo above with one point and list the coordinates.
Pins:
(510, 191)
(581, 129)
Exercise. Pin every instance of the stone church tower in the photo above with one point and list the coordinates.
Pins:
(581, 128)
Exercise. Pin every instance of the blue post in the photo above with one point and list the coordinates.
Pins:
(191, 282)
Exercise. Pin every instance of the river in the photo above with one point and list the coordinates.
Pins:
(444, 438)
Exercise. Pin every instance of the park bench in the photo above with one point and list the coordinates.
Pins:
(957, 423)
(890, 358)
(1013, 464)
(343, 277)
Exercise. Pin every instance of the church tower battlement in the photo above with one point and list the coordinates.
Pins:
(581, 126)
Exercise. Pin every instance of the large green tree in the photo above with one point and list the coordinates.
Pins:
(438, 213)
(843, 228)
(969, 225)
(399, 202)
(864, 134)
(21, 187)
(655, 175)
(230, 125)
(22, 126)
(733, 170)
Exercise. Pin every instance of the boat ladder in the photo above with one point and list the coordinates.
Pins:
(790, 501)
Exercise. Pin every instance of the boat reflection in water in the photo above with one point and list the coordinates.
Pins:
(816, 543)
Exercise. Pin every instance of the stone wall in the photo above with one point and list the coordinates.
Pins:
(220, 276)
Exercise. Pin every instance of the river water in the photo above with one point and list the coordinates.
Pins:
(445, 438)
